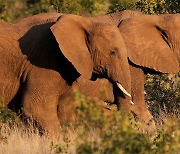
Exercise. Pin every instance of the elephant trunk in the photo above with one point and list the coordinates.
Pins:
(122, 79)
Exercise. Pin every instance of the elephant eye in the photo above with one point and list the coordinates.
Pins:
(113, 53)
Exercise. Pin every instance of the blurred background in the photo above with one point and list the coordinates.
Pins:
(13, 10)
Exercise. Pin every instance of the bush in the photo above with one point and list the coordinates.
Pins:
(10, 10)
(146, 6)
(158, 6)
(163, 95)
(13, 10)
(7, 115)
(98, 133)
(119, 5)
(94, 132)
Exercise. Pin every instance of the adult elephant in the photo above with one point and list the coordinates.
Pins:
(153, 45)
(45, 55)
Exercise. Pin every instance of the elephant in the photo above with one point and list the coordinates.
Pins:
(100, 91)
(44, 56)
(153, 46)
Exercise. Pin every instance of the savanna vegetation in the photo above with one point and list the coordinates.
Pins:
(96, 132)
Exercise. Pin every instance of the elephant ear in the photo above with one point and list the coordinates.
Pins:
(71, 33)
(147, 44)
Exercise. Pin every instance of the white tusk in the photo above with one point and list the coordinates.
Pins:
(122, 89)
(132, 102)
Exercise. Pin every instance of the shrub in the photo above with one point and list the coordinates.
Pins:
(163, 95)
(158, 6)
(94, 132)
(13, 10)
(97, 132)
(119, 5)
(146, 6)
(7, 115)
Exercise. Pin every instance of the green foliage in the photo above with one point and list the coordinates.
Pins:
(163, 94)
(116, 133)
(152, 6)
(97, 132)
(88, 111)
(168, 138)
(13, 10)
(119, 5)
(59, 148)
(7, 115)
(158, 6)
(63, 6)
(146, 6)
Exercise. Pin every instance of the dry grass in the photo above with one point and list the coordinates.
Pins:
(23, 140)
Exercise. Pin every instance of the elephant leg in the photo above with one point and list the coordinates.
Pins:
(42, 110)
(139, 108)
(40, 100)
(9, 84)
(8, 89)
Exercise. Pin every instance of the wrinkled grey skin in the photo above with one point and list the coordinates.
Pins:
(153, 46)
(43, 57)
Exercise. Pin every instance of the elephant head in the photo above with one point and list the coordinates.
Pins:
(153, 41)
(93, 47)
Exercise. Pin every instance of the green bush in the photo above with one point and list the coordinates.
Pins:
(158, 6)
(65, 6)
(152, 6)
(146, 6)
(10, 10)
(13, 10)
(163, 94)
(99, 133)
(119, 5)
(7, 115)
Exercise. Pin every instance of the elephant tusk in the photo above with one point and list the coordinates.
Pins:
(122, 89)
